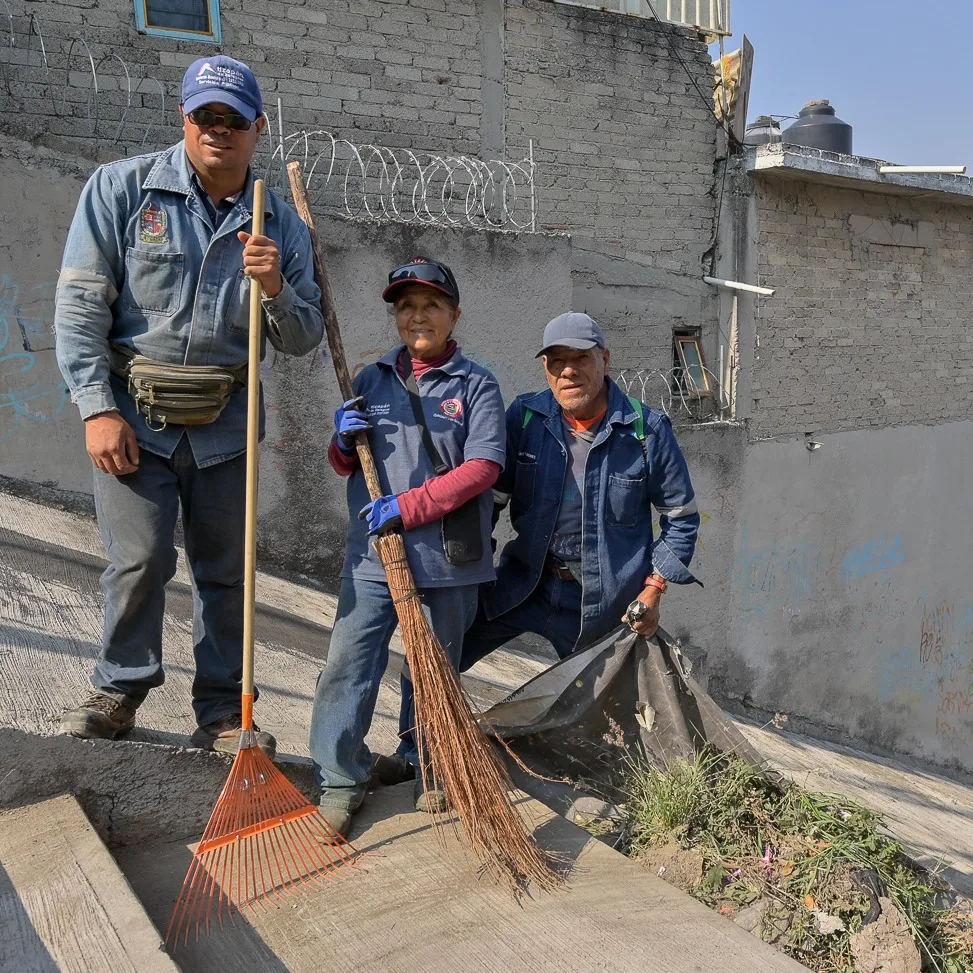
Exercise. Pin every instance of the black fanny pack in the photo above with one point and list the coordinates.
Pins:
(461, 529)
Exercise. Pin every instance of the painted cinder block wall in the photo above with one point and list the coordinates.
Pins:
(848, 602)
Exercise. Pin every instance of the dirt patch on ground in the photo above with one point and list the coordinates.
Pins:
(682, 867)
(886, 945)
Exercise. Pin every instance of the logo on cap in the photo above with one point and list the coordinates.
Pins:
(220, 77)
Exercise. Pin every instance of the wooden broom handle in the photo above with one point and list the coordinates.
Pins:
(299, 191)
(253, 462)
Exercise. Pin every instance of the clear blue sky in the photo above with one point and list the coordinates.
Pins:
(896, 70)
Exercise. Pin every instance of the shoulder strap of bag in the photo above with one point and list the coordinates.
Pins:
(413, 388)
(639, 426)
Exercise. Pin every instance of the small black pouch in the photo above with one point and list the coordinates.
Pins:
(460, 528)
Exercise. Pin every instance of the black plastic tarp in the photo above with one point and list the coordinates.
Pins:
(573, 719)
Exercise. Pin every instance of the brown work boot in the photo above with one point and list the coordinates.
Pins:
(223, 736)
(102, 716)
(338, 817)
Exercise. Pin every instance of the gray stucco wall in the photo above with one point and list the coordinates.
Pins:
(40, 431)
(511, 285)
(850, 607)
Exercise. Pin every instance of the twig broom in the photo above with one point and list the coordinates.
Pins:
(264, 836)
(462, 760)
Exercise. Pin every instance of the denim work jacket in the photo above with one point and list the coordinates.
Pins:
(144, 269)
(622, 482)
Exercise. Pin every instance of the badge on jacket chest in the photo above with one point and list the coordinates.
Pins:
(153, 227)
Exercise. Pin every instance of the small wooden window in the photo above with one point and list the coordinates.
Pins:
(691, 370)
(197, 20)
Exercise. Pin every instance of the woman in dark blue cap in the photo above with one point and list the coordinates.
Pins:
(444, 470)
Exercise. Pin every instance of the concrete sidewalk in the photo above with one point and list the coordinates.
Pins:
(415, 905)
(64, 905)
(50, 625)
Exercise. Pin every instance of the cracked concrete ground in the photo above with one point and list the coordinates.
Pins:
(50, 625)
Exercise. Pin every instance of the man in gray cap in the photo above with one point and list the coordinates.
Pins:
(152, 297)
(585, 465)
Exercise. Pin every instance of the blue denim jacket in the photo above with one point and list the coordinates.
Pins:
(622, 482)
(144, 269)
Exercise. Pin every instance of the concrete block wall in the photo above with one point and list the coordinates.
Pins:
(870, 325)
(625, 148)
(397, 72)
(623, 141)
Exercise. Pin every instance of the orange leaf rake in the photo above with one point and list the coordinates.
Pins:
(263, 837)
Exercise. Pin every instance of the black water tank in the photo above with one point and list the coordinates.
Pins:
(761, 130)
(818, 128)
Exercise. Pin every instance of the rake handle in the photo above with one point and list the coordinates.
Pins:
(335, 344)
(253, 463)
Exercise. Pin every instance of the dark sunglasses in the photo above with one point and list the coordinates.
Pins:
(203, 118)
(430, 273)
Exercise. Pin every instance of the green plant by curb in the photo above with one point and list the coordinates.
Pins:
(812, 870)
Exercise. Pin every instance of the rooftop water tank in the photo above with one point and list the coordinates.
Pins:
(818, 127)
(761, 130)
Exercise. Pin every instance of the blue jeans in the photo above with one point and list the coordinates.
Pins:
(552, 611)
(137, 518)
(347, 688)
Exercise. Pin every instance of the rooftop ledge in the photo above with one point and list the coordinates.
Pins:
(853, 172)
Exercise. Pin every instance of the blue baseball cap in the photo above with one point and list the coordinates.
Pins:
(222, 79)
(572, 330)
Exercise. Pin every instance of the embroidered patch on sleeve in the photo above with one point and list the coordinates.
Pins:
(153, 225)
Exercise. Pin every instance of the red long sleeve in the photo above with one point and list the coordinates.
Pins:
(442, 494)
(342, 463)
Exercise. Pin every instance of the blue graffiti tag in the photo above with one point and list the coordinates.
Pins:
(881, 554)
(24, 396)
(774, 577)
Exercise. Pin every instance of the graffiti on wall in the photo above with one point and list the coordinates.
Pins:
(29, 392)
(946, 653)
(773, 576)
(880, 554)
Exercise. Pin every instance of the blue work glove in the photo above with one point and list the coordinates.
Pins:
(349, 420)
(382, 514)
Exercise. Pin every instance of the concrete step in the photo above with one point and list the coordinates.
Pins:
(65, 907)
(415, 904)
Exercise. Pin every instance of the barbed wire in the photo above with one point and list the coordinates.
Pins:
(377, 183)
(675, 392)
(366, 181)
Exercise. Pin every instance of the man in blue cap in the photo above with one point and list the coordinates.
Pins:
(585, 466)
(152, 298)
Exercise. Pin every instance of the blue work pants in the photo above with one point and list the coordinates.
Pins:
(347, 689)
(137, 518)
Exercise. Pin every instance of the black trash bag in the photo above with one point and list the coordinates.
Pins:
(572, 719)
